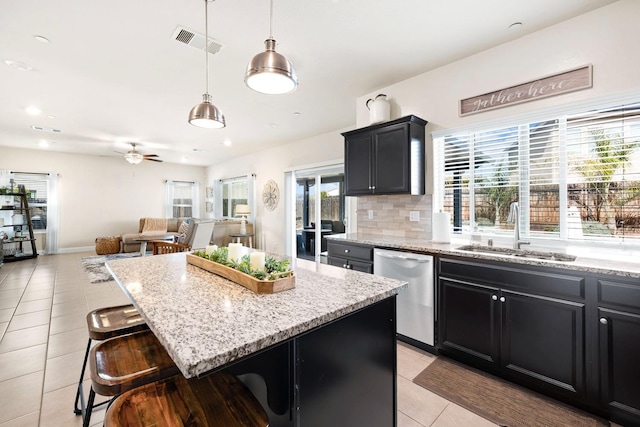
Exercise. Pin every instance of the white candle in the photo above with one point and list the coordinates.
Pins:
(234, 251)
(256, 260)
(210, 249)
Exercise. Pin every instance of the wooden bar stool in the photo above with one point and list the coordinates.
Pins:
(216, 400)
(121, 363)
(105, 323)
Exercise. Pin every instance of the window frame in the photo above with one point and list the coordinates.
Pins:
(559, 114)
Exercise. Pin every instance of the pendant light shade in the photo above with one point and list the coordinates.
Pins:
(205, 114)
(270, 72)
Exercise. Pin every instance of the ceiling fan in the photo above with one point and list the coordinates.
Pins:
(134, 157)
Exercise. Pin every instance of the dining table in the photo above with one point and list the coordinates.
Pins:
(322, 353)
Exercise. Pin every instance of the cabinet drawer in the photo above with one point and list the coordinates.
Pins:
(620, 294)
(365, 267)
(350, 250)
(549, 283)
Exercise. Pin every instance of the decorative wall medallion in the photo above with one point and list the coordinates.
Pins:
(270, 195)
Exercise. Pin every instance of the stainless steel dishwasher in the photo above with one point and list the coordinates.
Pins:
(415, 304)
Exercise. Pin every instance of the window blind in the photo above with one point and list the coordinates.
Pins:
(575, 176)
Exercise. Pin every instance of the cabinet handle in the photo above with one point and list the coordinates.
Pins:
(502, 299)
(346, 251)
(494, 297)
(344, 266)
(373, 187)
(604, 320)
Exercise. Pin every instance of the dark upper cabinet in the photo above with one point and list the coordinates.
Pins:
(386, 158)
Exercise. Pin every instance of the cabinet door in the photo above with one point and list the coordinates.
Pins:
(391, 168)
(468, 323)
(347, 370)
(357, 164)
(619, 339)
(543, 341)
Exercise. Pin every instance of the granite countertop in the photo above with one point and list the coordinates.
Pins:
(205, 321)
(619, 266)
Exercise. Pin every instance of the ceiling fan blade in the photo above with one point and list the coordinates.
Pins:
(153, 160)
(150, 155)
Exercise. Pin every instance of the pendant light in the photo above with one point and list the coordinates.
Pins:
(205, 114)
(269, 72)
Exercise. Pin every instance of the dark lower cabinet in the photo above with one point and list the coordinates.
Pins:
(536, 340)
(574, 338)
(469, 322)
(543, 341)
(619, 354)
(349, 255)
(347, 371)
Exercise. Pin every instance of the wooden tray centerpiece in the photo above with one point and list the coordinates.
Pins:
(275, 277)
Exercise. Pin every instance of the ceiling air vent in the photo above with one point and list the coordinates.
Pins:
(43, 129)
(196, 40)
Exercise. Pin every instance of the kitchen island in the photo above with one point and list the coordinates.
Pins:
(323, 353)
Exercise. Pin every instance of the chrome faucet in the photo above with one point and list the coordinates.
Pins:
(514, 217)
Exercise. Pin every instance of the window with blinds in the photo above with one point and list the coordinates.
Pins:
(182, 199)
(234, 192)
(575, 176)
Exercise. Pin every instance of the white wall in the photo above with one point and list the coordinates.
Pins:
(272, 164)
(604, 38)
(101, 196)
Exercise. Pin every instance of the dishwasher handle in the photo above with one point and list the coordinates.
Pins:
(404, 257)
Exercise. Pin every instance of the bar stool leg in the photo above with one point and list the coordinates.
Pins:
(79, 392)
(86, 417)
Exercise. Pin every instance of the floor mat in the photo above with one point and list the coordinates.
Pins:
(97, 271)
(499, 401)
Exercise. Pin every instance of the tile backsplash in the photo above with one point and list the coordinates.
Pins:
(391, 216)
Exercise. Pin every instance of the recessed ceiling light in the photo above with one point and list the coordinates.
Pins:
(51, 116)
(42, 39)
(227, 143)
(199, 150)
(43, 144)
(19, 65)
(296, 113)
(33, 111)
(185, 160)
(515, 26)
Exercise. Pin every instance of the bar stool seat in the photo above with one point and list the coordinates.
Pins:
(122, 363)
(216, 400)
(102, 324)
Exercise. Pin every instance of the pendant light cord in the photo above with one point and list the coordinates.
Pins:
(206, 44)
(270, 19)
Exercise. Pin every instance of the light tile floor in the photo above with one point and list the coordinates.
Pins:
(43, 303)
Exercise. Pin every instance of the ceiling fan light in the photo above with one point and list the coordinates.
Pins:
(206, 115)
(270, 72)
(133, 157)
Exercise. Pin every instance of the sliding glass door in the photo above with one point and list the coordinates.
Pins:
(320, 208)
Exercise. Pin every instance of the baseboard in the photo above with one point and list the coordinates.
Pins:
(76, 249)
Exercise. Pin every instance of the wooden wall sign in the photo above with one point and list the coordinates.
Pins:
(568, 81)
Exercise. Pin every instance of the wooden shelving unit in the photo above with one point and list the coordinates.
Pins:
(23, 242)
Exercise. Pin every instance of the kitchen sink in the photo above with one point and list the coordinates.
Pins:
(520, 253)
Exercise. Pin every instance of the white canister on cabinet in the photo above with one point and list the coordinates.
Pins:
(379, 109)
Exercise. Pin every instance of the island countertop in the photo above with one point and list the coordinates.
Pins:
(205, 321)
